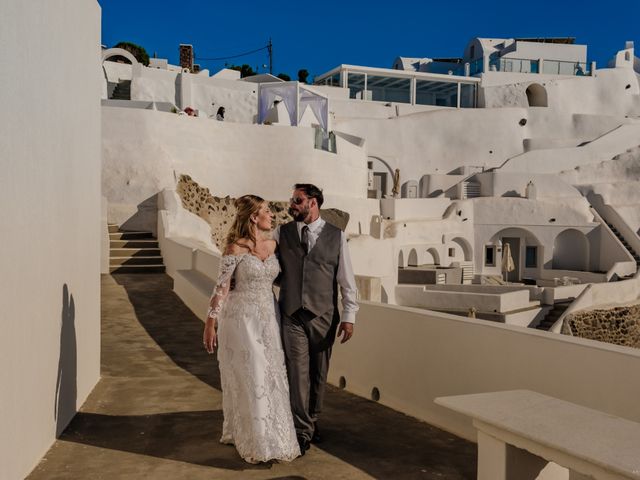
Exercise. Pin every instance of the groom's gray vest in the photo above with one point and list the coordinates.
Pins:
(309, 281)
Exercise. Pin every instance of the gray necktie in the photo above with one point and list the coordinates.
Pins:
(304, 240)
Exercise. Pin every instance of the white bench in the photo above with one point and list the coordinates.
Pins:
(519, 431)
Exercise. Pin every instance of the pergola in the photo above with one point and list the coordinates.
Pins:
(296, 98)
(416, 88)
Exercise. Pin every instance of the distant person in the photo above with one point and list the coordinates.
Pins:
(190, 111)
(579, 70)
(220, 114)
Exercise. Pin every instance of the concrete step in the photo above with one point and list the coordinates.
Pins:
(130, 236)
(137, 269)
(151, 260)
(113, 228)
(135, 252)
(133, 243)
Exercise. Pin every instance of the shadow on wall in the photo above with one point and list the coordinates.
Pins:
(66, 383)
(146, 218)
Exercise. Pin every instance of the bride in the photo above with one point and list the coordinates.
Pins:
(255, 392)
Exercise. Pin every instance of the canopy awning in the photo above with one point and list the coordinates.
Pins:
(296, 98)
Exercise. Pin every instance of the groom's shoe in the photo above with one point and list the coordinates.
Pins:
(304, 445)
(316, 438)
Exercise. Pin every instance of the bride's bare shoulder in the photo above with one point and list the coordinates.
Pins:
(237, 248)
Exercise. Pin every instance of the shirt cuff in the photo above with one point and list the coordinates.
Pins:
(348, 317)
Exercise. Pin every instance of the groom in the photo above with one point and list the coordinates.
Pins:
(315, 261)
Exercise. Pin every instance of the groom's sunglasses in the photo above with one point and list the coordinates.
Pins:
(296, 200)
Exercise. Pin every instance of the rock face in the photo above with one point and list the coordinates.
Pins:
(219, 212)
(620, 325)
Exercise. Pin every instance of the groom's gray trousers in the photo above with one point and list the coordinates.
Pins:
(308, 284)
(307, 342)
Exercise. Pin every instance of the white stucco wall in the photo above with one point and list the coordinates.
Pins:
(549, 51)
(604, 93)
(115, 72)
(144, 151)
(539, 223)
(556, 160)
(426, 297)
(428, 355)
(198, 91)
(513, 184)
(155, 85)
(441, 140)
(50, 229)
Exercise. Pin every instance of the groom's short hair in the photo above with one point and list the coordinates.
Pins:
(311, 191)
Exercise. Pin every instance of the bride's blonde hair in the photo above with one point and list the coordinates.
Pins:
(246, 206)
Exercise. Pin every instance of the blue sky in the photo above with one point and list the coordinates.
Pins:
(321, 35)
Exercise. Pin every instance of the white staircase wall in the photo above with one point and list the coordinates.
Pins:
(50, 252)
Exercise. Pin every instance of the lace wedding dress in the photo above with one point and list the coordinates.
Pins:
(255, 392)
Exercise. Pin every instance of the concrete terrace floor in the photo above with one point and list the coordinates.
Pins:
(156, 412)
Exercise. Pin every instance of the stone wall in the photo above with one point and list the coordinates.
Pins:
(620, 325)
(219, 212)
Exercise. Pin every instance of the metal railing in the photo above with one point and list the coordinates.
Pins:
(516, 65)
(524, 65)
(561, 67)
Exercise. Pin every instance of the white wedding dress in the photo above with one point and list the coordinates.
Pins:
(255, 391)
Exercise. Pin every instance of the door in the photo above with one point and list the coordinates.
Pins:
(380, 183)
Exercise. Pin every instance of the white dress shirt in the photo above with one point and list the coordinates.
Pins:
(345, 277)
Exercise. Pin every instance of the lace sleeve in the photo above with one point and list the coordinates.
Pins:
(221, 290)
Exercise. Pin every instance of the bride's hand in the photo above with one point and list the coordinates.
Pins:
(209, 337)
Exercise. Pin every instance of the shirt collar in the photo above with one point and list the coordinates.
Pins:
(313, 226)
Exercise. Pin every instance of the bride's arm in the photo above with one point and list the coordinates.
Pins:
(216, 302)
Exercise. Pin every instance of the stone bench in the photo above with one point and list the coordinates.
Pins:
(519, 431)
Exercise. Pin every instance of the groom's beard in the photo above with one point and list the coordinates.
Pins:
(299, 215)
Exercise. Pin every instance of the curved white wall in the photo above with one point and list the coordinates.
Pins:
(429, 355)
(50, 229)
(144, 151)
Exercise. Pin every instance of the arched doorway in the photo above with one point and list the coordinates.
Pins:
(382, 174)
(435, 256)
(536, 95)
(525, 250)
(118, 77)
(118, 54)
(465, 246)
(412, 260)
(571, 251)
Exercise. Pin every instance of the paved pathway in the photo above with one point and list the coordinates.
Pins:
(156, 412)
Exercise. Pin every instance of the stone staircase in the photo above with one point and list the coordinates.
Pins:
(467, 272)
(133, 252)
(470, 190)
(633, 253)
(122, 91)
(553, 315)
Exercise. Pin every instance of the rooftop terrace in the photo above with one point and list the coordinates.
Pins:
(157, 411)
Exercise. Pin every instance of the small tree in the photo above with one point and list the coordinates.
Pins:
(303, 75)
(136, 50)
(245, 70)
(284, 77)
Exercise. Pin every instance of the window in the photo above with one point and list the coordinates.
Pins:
(452, 252)
(489, 256)
(531, 257)
(355, 82)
